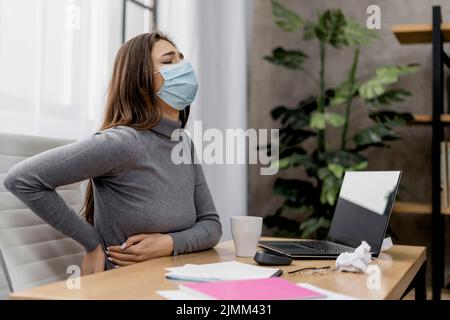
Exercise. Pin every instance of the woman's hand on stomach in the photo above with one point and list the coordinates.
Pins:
(94, 261)
(141, 247)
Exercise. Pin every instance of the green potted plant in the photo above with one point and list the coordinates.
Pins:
(315, 196)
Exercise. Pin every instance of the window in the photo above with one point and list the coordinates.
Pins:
(56, 58)
(139, 16)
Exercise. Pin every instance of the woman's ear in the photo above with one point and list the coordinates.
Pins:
(158, 82)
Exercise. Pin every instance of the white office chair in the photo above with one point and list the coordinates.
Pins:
(31, 252)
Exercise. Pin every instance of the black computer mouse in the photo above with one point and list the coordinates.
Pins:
(269, 258)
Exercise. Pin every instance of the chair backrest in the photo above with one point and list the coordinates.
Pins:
(32, 253)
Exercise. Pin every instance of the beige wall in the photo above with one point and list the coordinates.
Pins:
(271, 86)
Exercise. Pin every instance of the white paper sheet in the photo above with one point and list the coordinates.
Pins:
(230, 270)
(175, 295)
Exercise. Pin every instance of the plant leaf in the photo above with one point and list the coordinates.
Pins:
(297, 159)
(337, 170)
(296, 192)
(294, 118)
(384, 76)
(396, 71)
(390, 96)
(357, 34)
(359, 166)
(374, 136)
(330, 189)
(312, 225)
(291, 59)
(331, 28)
(309, 105)
(317, 121)
(334, 119)
(286, 19)
(346, 159)
(331, 185)
(320, 119)
(391, 118)
(342, 93)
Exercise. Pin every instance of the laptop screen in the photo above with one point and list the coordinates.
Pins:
(363, 208)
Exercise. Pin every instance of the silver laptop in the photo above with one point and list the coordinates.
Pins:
(362, 213)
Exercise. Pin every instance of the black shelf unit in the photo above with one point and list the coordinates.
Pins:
(439, 120)
(440, 59)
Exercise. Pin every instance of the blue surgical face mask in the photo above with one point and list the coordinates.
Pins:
(180, 85)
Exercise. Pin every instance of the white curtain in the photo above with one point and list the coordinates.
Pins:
(214, 36)
(56, 58)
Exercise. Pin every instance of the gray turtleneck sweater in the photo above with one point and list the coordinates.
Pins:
(137, 189)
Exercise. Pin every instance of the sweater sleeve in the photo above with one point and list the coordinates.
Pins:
(207, 229)
(34, 180)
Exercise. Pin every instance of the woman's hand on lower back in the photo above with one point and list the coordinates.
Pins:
(94, 261)
(140, 248)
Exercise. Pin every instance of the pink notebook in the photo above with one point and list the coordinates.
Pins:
(255, 289)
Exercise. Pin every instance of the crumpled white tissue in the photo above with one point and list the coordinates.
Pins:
(356, 261)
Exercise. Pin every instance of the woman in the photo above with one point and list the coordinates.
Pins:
(139, 205)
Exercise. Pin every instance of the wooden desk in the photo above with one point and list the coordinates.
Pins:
(399, 266)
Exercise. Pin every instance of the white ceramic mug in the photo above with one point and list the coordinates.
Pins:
(246, 231)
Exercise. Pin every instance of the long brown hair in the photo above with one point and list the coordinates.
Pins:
(131, 99)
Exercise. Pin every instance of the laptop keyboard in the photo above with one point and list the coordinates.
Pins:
(323, 246)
